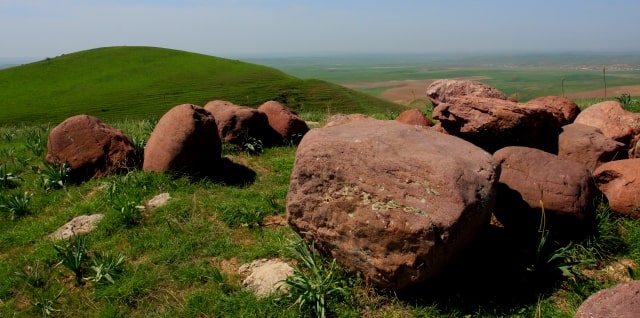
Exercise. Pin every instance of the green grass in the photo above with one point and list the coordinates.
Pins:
(116, 83)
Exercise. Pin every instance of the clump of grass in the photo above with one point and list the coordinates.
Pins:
(55, 176)
(73, 255)
(106, 266)
(17, 205)
(7, 179)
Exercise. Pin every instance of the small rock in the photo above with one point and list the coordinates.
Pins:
(79, 225)
(158, 201)
(414, 117)
(265, 276)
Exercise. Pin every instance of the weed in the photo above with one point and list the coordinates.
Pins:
(315, 284)
(627, 102)
(139, 144)
(8, 136)
(45, 303)
(106, 266)
(32, 275)
(55, 176)
(34, 142)
(17, 205)
(252, 146)
(7, 179)
(73, 255)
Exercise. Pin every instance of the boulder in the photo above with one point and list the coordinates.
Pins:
(265, 276)
(414, 117)
(185, 140)
(90, 147)
(615, 122)
(531, 178)
(588, 145)
(442, 91)
(238, 124)
(392, 201)
(494, 123)
(339, 119)
(82, 224)
(284, 121)
(621, 301)
(620, 182)
(563, 109)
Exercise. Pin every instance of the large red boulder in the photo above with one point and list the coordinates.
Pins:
(563, 109)
(532, 179)
(621, 301)
(620, 182)
(414, 117)
(492, 123)
(615, 122)
(90, 147)
(185, 140)
(442, 91)
(588, 145)
(239, 124)
(392, 201)
(284, 121)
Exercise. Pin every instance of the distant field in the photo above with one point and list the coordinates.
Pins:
(119, 83)
(401, 79)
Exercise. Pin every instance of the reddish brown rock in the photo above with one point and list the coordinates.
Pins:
(238, 124)
(620, 182)
(392, 201)
(530, 176)
(563, 109)
(90, 147)
(494, 123)
(185, 140)
(414, 117)
(615, 122)
(621, 301)
(587, 145)
(339, 119)
(442, 91)
(284, 121)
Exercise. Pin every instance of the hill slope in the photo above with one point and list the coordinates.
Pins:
(139, 82)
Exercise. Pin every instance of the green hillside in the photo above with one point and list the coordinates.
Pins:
(139, 82)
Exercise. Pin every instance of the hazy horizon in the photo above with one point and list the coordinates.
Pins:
(37, 29)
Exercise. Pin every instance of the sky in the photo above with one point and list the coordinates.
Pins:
(259, 28)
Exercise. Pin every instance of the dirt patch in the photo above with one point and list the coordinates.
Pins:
(633, 90)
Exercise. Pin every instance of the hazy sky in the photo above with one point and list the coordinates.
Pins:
(254, 28)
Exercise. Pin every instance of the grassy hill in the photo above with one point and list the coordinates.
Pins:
(139, 82)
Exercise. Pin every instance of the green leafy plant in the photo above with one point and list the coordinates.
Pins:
(55, 176)
(7, 179)
(316, 283)
(252, 146)
(106, 266)
(17, 205)
(73, 255)
(627, 102)
(35, 142)
(45, 302)
(32, 275)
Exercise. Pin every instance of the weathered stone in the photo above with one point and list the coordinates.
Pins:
(494, 123)
(392, 201)
(532, 179)
(587, 145)
(339, 119)
(158, 201)
(414, 117)
(238, 124)
(620, 182)
(90, 147)
(185, 140)
(265, 276)
(82, 224)
(284, 121)
(621, 301)
(563, 109)
(442, 91)
(615, 122)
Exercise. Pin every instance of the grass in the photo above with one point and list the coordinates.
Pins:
(116, 83)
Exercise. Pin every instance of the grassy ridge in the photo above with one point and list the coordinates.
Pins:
(138, 82)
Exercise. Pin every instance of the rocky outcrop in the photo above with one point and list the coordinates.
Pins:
(588, 145)
(90, 147)
(392, 201)
(443, 90)
(620, 182)
(185, 140)
(615, 122)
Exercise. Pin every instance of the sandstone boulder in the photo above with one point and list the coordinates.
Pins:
(494, 123)
(442, 91)
(563, 109)
(392, 201)
(284, 121)
(620, 182)
(621, 301)
(615, 122)
(414, 117)
(531, 178)
(238, 124)
(90, 147)
(588, 145)
(185, 140)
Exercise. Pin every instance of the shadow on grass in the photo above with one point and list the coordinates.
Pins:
(229, 173)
